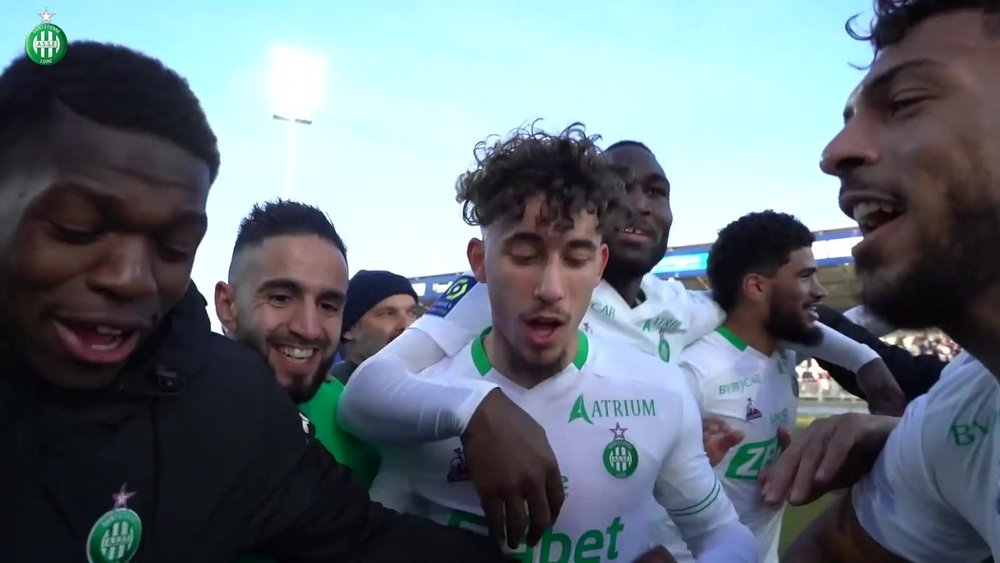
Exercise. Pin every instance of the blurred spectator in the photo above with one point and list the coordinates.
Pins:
(380, 305)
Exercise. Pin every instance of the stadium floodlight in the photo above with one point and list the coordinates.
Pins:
(296, 83)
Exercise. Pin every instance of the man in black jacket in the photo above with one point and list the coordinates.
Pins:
(129, 431)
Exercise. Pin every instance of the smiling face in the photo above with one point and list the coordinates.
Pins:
(919, 164)
(98, 233)
(287, 301)
(795, 293)
(637, 248)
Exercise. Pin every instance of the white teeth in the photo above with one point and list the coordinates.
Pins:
(297, 353)
(864, 212)
(109, 346)
(109, 330)
(632, 230)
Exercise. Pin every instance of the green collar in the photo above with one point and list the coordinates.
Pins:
(484, 365)
(732, 338)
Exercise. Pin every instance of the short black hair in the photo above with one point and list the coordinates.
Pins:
(109, 84)
(283, 218)
(895, 18)
(629, 143)
(567, 168)
(757, 243)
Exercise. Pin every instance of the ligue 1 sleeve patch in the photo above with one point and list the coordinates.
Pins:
(456, 291)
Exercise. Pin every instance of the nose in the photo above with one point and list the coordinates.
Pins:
(304, 323)
(126, 274)
(551, 289)
(854, 146)
(638, 200)
(817, 290)
(406, 319)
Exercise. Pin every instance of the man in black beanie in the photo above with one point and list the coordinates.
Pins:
(380, 305)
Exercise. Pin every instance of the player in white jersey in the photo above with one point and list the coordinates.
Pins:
(763, 273)
(659, 316)
(544, 204)
(622, 425)
(919, 165)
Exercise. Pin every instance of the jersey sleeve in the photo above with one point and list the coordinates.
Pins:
(386, 402)
(704, 314)
(687, 487)
(459, 315)
(836, 349)
(694, 377)
(899, 506)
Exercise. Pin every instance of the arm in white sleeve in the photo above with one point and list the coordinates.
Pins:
(836, 349)
(864, 318)
(386, 402)
(706, 316)
(898, 503)
(688, 489)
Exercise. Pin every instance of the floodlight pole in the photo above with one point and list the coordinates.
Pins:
(292, 152)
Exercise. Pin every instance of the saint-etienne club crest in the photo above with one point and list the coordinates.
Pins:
(116, 535)
(46, 43)
(664, 348)
(620, 457)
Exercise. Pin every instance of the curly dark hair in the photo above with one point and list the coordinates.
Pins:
(757, 243)
(895, 18)
(568, 169)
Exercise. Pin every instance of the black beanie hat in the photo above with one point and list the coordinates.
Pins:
(367, 288)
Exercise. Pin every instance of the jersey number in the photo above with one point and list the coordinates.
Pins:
(751, 459)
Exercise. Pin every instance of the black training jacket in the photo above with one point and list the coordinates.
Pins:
(197, 440)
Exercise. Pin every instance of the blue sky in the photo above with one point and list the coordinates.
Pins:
(737, 99)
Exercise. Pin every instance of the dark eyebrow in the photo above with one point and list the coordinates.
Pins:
(524, 238)
(293, 286)
(582, 244)
(883, 80)
(808, 271)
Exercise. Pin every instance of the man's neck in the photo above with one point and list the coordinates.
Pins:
(628, 288)
(751, 330)
(499, 353)
(978, 332)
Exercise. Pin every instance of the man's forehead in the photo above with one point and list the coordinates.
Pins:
(938, 43)
(308, 258)
(636, 158)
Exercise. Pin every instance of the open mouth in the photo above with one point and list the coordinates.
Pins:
(542, 331)
(297, 355)
(634, 234)
(97, 343)
(872, 215)
(812, 311)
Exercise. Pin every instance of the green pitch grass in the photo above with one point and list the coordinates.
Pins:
(798, 517)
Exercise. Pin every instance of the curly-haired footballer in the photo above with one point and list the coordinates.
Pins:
(513, 464)
(622, 423)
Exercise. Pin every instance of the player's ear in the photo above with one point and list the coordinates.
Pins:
(756, 287)
(602, 257)
(225, 306)
(476, 251)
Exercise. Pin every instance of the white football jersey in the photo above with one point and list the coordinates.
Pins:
(934, 493)
(757, 395)
(624, 429)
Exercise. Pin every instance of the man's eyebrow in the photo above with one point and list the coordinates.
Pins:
(883, 80)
